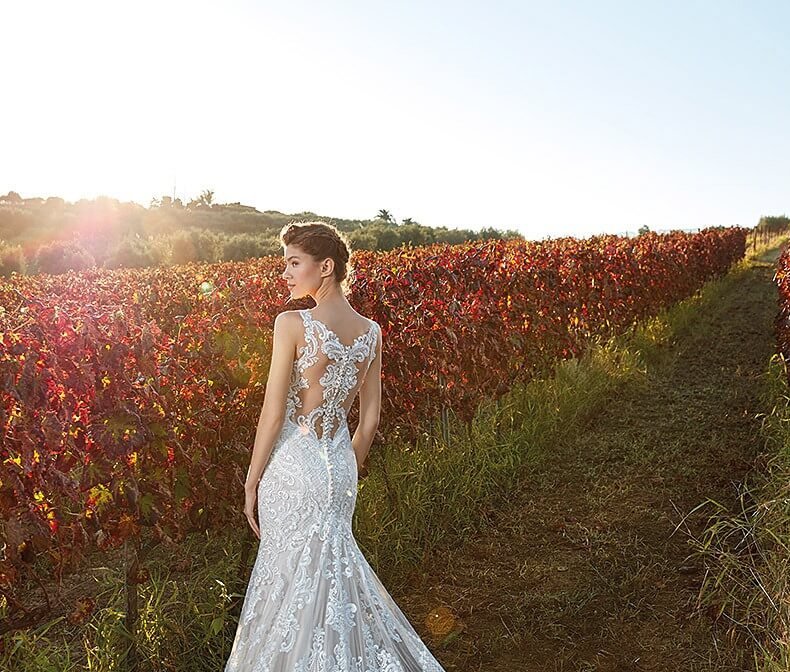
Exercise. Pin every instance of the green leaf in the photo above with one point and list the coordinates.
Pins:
(216, 625)
(181, 489)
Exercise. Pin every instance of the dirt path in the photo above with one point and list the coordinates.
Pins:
(586, 570)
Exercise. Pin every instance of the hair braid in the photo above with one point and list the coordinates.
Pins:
(321, 241)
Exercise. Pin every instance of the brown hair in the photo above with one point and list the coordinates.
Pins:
(321, 241)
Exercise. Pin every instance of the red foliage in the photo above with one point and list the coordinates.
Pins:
(782, 320)
(129, 399)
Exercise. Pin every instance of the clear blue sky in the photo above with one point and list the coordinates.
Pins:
(553, 118)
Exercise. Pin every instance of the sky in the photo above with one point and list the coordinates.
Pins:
(549, 118)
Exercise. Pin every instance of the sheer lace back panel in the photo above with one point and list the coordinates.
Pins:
(326, 377)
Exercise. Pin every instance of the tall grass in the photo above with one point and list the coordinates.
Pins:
(747, 550)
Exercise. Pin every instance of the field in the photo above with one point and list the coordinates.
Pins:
(555, 523)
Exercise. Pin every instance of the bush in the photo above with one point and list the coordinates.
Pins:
(60, 256)
(12, 260)
(133, 252)
(187, 246)
(243, 247)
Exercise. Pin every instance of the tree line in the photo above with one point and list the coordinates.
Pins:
(51, 235)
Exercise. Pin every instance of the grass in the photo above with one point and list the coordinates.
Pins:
(746, 544)
(184, 617)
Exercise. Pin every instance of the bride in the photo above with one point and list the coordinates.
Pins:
(313, 603)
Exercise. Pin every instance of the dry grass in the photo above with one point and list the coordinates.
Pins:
(746, 545)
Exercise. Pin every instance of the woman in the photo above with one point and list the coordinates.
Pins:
(313, 602)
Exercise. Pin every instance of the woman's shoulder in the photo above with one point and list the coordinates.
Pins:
(371, 322)
(289, 314)
(288, 319)
(375, 328)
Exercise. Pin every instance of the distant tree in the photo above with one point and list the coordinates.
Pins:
(489, 233)
(388, 239)
(206, 197)
(456, 236)
(407, 220)
(643, 229)
(186, 246)
(245, 246)
(773, 223)
(132, 251)
(205, 200)
(55, 203)
(11, 197)
(415, 234)
(363, 239)
(386, 216)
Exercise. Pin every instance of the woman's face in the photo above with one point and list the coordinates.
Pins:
(302, 272)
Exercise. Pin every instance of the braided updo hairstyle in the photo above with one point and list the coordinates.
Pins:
(321, 241)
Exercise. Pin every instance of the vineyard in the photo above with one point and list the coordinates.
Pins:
(782, 325)
(128, 398)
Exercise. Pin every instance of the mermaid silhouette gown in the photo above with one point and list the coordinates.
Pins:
(313, 603)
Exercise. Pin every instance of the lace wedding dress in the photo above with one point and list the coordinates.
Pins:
(313, 603)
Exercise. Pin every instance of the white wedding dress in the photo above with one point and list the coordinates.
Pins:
(313, 603)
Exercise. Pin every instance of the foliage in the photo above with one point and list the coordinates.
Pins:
(782, 323)
(12, 259)
(60, 256)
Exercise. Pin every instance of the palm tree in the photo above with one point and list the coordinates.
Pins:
(386, 215)
(206, 197)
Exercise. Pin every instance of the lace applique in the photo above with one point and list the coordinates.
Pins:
(340, 373)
